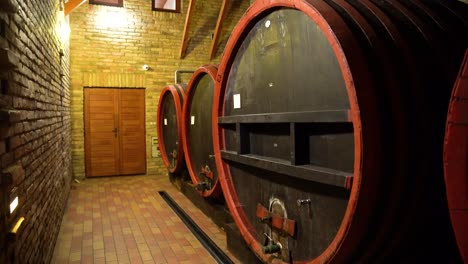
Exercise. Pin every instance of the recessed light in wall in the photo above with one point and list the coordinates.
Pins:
(15, 228)
(14, 204)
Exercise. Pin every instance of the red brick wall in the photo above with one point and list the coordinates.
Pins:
(35, 128)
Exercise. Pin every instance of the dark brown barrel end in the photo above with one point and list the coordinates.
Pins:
(169, 129)
(197, 131)
(456, 159)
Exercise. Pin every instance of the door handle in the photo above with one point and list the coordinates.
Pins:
(116, 130)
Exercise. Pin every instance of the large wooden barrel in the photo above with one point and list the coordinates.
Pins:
(456, 159)
(169, 121)
(197, 131)
(331, 118)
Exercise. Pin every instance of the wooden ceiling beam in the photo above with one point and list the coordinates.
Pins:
(183, 47)
(72, 4)
(219, 28)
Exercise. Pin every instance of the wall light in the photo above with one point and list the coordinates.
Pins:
(114, 18)
(13, 205)
(65, 31)
(62, 28)
(15, 228)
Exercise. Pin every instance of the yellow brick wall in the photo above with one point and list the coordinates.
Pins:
(113, 55)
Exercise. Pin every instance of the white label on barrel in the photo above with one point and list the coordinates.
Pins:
(237, 102)
(192, 120)
(165, 121)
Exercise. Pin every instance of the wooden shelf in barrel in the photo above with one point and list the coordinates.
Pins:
(197, 131)
(298, 165)
(327, 125)
(169, 126)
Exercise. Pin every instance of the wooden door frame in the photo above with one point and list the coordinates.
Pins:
(86, 147)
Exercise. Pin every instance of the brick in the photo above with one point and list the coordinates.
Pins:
(12, 175)
(2, 147)
(4, 102)
(8, 59)
(15, 142)
(6, 160)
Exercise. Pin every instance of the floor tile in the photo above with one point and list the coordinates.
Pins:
(124, 220)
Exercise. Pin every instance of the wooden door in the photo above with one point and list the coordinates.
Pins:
(132, 131)
(114, 131)
(101, 144)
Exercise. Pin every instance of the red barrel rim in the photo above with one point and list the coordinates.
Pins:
(172, 89)
(358, 207)
(210, 70)
(455, 158)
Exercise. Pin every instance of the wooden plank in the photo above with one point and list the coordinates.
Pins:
(101, 109)
(117, 126)
(72, 4)
(219, 28)
(326, 116)
(102, 128)
(102, 116)
(131, 115)
(101, 98)
(183, 47)
(87, 145)
(305, 172)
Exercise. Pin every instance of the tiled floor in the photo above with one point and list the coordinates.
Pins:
(124, 220)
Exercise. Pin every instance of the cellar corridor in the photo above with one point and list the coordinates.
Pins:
(125, 220)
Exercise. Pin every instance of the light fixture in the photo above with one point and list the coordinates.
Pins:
(114, 18)
(62, 28)
(15, 228)
(65, 30)
(14, 204)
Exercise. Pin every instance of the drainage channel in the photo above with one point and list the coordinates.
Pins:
(212, 248)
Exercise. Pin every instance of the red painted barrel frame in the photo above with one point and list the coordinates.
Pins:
(456, 158)
(210, 70)
(366, 136)
(173, 90)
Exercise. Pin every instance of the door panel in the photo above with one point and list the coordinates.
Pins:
(132, 131)
(101, 144)
(115, 131)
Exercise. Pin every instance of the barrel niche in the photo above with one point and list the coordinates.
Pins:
(330, 133)
(456, 159)
(197, 131)
(169, 121)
